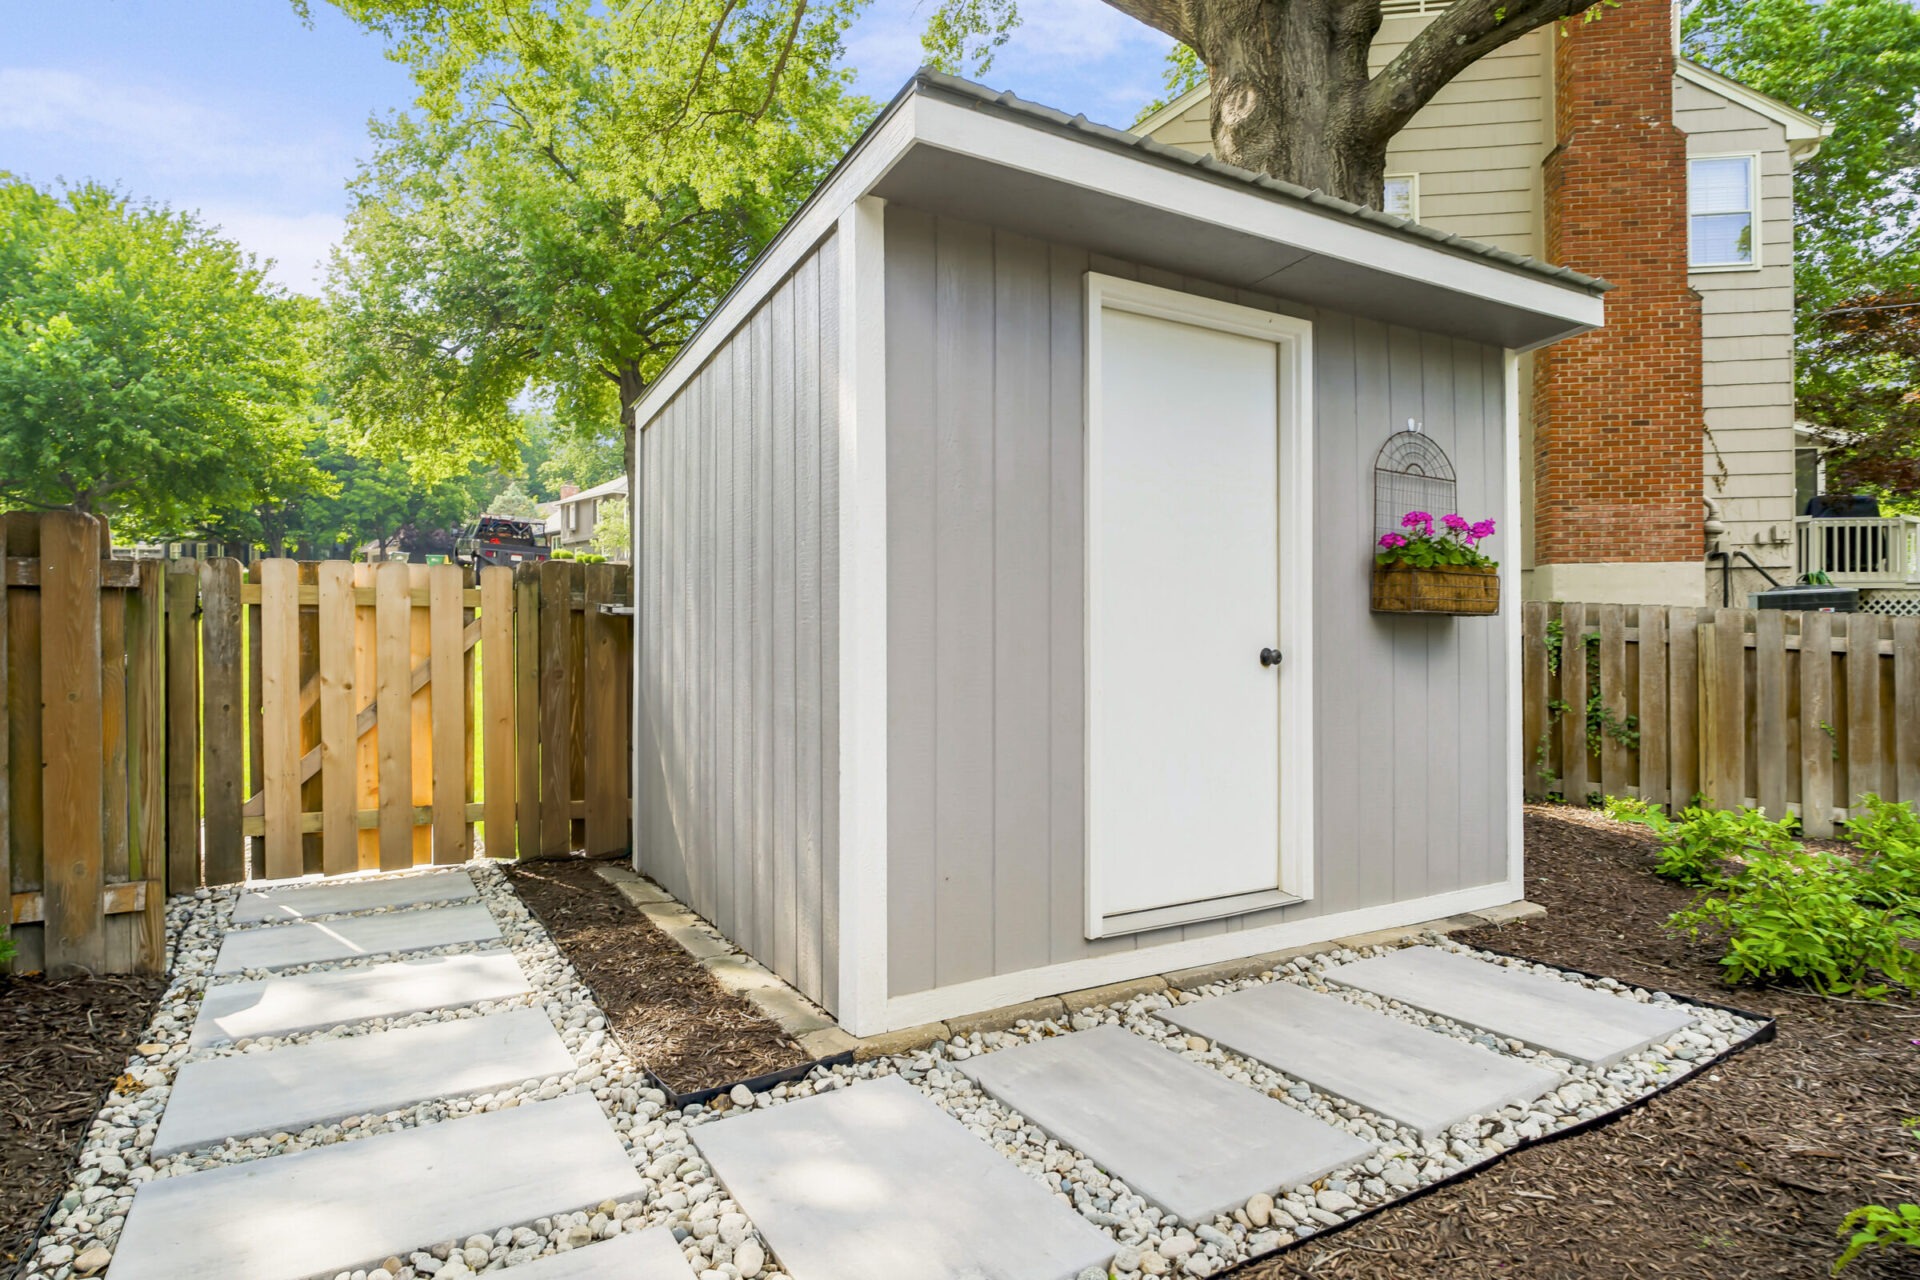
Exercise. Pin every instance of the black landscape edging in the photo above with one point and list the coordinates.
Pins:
(754, 1084)
(1769, 1029)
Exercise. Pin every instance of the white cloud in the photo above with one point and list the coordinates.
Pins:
(298, 243)
(169, 133)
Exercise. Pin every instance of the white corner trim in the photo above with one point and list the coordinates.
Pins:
(1293, 338)
(863, 617)
(1145, 180)
(941, 1003)
(1510, 621)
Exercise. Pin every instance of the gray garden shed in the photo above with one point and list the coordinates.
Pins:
(966, 523)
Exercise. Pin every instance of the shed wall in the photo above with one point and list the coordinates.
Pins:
(985, 587)
(739, 659)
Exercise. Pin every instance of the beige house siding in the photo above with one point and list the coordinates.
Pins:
(1747, 327)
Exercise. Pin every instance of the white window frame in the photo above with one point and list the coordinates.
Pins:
(1413, 193)
(1753, 205)
(1293, 339)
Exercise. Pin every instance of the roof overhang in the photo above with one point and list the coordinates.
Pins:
(1038, 173)
(1804, 133)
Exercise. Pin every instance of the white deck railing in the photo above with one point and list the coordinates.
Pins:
(1857, 551)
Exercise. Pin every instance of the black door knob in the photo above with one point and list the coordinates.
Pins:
(1269, 657)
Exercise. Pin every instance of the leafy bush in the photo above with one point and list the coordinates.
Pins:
(561, 553)
(6, 955)
(1798, 914)
(1888, 832)
(1696, 848)
(1879, 1226)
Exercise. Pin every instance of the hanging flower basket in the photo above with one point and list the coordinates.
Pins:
(1420, 571)
(1456, 589)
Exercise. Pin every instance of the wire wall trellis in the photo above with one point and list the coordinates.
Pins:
(1410, 473)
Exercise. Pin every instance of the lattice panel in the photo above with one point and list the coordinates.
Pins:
(1893, 604)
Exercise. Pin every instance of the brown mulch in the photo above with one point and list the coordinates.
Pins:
(667, 1011)
(61, 1045)
(1745, 1173)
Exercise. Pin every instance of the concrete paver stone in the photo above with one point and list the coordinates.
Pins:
(1187, 1138)
(350, 937)
(282, 1006)
(304, 901)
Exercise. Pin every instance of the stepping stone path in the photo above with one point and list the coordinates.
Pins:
(311, 1001)
(321, 1081)
(1068, 1086)
(875, 1182)
(350, 1204)
(334, 1208)
(304, 902)
(1563, 1018)
(1423, 1079)
(283, 945)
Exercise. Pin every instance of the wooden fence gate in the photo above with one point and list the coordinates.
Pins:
(293, 718)
(1800, 712)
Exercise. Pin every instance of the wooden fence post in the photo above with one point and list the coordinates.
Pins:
(1616, 757)
(1533, 698)
(449, 699)
(280, 716)
(146, 774)
(339, 821)
(1655, 723)
(6, 781)
(183, 727)
(1770, 709)
(1819, 740)
(1906, 709)
(1863, 707)
(497, 670)
(393, 613)
(526, 687)
(70, 682)
(606, 762)
(556, 708)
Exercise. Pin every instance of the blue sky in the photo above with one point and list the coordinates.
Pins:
(237, 109)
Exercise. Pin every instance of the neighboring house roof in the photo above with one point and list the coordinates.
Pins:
(616, 488)
(1805, 133)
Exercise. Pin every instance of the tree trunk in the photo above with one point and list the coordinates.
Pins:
(1289, 91)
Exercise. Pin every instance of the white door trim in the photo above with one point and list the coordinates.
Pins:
(1294, 340)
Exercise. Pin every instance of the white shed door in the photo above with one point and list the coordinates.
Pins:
(1183, 595)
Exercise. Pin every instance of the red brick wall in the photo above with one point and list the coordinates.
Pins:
(1618, 419)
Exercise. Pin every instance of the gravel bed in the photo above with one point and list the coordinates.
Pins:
(679, 1189)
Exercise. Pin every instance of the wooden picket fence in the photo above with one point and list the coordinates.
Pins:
(1799, 712)
(294, 718)
(81, 840)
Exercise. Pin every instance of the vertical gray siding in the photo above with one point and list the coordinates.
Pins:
(739, 634)
(985, 579)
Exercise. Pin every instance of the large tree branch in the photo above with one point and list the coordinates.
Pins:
(1461, 35)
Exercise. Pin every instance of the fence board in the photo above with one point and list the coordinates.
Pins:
(312, 799)
(1683, 705)
(1655, 730)
(335, 614)
(223, 741)
(6, 767)
(70, 677)
(1906, 709)
(1723, 709)
(1533, 696)
(183, 729)
(1819, 743)
(146, 774)
(605, 761)
(556, 709)
(1573, 692)
(526, 706)
(449, 699)
(1863, 707)
(1770, 709)
(116, 853)
(280, 716)
(366, 683)
(257, 851)
(1616, 757)
(393, 610)
(496, 674)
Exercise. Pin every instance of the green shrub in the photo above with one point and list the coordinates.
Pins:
(1879, 1226)
(1888, 833)
(1798, 915)
(1696, 848)
(6, 954)
(561, 553)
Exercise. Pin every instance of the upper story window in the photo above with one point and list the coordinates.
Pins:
(1402, 196)
(1723, 212)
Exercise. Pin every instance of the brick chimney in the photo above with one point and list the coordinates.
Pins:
(1618, 416)
(568, 490)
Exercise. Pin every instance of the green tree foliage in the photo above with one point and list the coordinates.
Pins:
(578, 184)
(1856, 65)
(553, 453)
(147, 370)
(1184, 72)
(613, 529)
